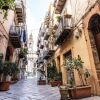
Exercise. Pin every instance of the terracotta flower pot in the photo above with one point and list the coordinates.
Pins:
(42, 82)
(55, 83)
(4, 86)
(80, 92)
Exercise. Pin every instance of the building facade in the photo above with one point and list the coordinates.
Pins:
(32, 57)
(75, 31)
(13, 34)
(75, 38)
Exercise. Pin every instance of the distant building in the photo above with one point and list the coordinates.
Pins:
(32, 57)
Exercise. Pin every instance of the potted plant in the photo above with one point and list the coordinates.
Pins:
(5, 5)
(84, 90)
(41, 81)
(54, 77)
(14, 72)
(63, 89)
(5, 76)
(23, 53)
(57, 80)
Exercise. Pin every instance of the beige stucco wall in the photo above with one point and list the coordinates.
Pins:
(4, 31)
(81, 47)
(78, 47)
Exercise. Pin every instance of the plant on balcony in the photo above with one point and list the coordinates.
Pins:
(83, 90)
(58, 18)
(6, 5)
(23, 53)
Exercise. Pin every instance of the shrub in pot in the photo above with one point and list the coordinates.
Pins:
(23, 53)
(14, 72)
(41, 81)
(55, 78)
(5, 76)
(84, 90)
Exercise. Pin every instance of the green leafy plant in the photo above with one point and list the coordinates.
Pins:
(76, 64)
(70, 70)
(6, 5)
(23, 52)
(52, 73)
(8, 69)
(14, 69)
(86, 75)
(58, 18)
(5, 70)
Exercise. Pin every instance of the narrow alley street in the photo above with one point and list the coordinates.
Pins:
(49, 49)
(29, 90)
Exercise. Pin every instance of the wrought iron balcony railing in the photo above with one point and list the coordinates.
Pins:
(15, 36)
(41, 44)
(47, 34)
(19, 11)
(59, 4)
(64, 30)
(40, 60)
(48, 53)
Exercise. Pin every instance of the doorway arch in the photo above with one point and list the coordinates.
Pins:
(94, 28)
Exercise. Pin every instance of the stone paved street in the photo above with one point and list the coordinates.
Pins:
(29, 90)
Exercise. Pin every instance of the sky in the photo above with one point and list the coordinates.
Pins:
(35, 13)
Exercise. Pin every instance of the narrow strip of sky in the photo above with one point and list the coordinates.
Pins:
(38, 9)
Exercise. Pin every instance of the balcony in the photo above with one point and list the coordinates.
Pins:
(15, 36)
(64, 30)
(38, 42)
(59, 4)
(41, 45)
(19, 10)
(42, 32)
(47, 34)
(47, 19)
(48, 53)
(38, 52)
(40, 60)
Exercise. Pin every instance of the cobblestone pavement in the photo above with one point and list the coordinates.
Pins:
(29, 90)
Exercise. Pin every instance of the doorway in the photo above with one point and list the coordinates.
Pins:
(94, 28)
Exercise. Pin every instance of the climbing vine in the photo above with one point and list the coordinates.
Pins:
(6, 5)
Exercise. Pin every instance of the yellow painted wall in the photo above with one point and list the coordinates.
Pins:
(81, 47)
